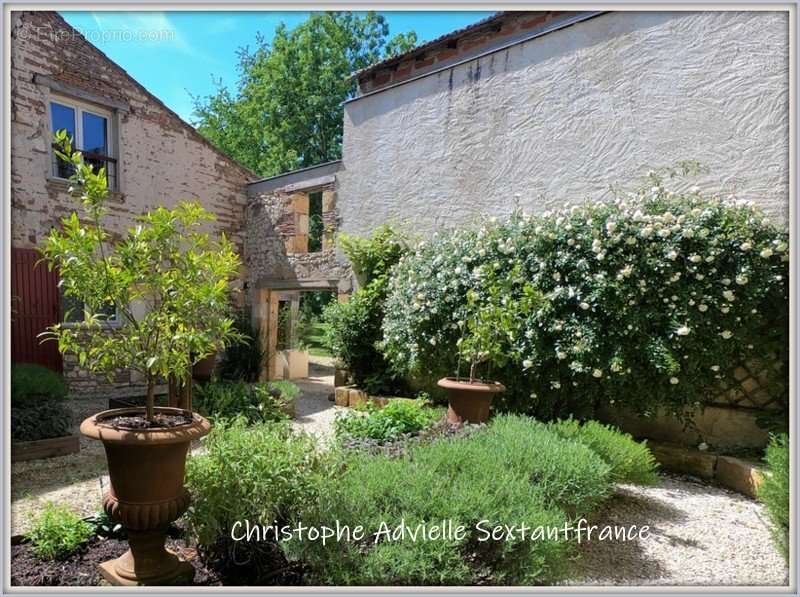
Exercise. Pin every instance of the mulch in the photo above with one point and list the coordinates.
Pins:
(80, 569)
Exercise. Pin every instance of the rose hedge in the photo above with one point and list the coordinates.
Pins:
(653, 298)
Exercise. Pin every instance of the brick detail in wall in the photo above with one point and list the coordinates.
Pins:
(162, 160)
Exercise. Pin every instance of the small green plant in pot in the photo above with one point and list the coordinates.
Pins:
(492, 313)
(168, 283)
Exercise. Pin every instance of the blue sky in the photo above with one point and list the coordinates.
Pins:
(175, 54)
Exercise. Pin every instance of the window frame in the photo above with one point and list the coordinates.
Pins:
(107, 323)
(79, 109)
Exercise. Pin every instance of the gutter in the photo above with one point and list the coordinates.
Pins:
(562, 24)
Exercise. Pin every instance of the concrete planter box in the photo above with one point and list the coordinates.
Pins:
(45, 448)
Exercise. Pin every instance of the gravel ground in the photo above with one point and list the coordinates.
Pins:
(314, 411)
(699, 535)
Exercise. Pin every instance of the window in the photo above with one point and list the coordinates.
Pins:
(316, 223)
(73, 311)
(91, 133)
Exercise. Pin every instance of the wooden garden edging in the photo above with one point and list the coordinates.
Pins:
(45, 448)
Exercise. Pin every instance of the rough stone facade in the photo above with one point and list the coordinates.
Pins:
(277, 242)
(161, 159)
(563, 116)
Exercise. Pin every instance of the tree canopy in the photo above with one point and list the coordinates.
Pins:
(286, 111)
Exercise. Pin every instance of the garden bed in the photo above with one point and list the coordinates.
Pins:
(45, 448)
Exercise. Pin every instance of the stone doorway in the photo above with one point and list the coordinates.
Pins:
(277, 315)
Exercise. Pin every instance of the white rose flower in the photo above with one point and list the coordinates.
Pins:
(727, 334)
(715, 367)
(672, 255)
(766, 253)
(674, 381)
(597, 373)
(741, 279)
(555, 385)
(683, 330)
(561, 355)
(702, 307)
(746, 246)
(695, 258)
(688, 233)
(726, 281)
(571, 241)
(527, 364)
(725, 309)
(729, 295)
(584, 306)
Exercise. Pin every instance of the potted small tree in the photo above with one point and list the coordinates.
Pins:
(168, 284)
(493, 312)
(470, 398)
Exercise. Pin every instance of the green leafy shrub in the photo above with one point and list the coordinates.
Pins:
(513, 472)
(261, 473)
(57, 532)
(353, 329)
(257, 403)
(774, 491)
(31, 383)
(397, 418)
(243, 359)
(31, 421)
(652, 299)
(630, 461)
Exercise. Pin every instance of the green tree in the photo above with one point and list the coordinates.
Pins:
(286, 112)
(167, 263)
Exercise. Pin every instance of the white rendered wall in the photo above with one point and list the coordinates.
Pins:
(562, 117)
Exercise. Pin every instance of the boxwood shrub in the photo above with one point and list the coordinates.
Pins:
(652, 299)
(34, 383)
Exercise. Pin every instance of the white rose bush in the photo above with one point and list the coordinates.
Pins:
(650, 299)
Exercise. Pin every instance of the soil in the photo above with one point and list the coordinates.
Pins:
(80, 569)
(227, 563)
(160, 421)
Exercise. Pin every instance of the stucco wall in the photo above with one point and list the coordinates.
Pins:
(564, 116)
(161, 159)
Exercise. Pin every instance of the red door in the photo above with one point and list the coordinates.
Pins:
(34, 307)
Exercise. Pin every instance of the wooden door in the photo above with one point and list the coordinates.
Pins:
(35, 305)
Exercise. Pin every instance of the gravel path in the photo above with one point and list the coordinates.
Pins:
(699, 535)
(314, 407)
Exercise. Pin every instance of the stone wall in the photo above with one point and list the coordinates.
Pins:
(277, 242)
(161, 158)
(563, 116)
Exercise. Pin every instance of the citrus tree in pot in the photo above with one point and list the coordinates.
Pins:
(495, 307)
(169, 285)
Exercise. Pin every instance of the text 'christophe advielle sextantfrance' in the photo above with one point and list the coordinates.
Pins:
(444, 530)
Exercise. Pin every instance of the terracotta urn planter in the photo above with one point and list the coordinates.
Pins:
(469, 402)
(146, 467)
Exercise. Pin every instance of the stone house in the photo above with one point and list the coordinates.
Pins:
(554, 106)
(60, 80)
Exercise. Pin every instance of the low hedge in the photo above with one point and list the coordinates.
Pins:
(46, 419)
(33, 383)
